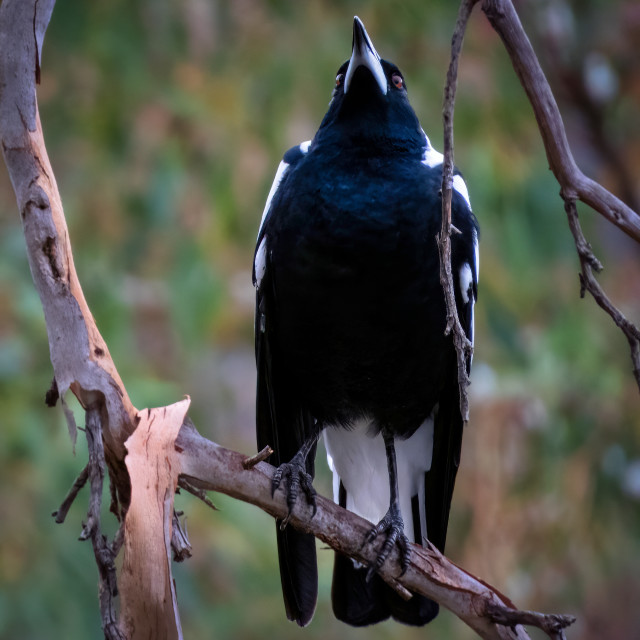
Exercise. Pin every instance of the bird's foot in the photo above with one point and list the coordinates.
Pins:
(392, 526)
(294, 475)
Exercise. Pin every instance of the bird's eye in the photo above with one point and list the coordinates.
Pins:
(339, 79)
(397, 80)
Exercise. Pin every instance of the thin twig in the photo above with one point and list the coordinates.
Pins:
(61, 513)
(553, 624)
(183, 483)
(180, 538)
(588, 282)
(103, 551)
(251, 462)
(463, 346)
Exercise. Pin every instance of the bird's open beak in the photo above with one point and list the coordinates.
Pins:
(364, 54)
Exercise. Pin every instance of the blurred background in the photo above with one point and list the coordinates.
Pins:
(165, 122)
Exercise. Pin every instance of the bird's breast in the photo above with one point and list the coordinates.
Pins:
(359, 306)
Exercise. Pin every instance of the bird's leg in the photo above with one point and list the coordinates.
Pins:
(392, 524)
(295, 471)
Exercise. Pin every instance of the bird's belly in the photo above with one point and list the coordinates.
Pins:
(357, 458)
(363, 336)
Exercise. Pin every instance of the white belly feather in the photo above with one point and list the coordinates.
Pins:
(359, 461)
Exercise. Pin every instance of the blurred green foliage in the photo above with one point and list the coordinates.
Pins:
(165, 122)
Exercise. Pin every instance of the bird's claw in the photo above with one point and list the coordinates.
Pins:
(295, 476)
(392, 526)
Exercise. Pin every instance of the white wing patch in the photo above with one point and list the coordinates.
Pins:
(260, 263)
(476, 252)
(280, 173)
(282, 169)
(469, 276)
(466, 282)
(459, 185)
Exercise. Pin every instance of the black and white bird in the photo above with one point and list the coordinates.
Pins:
(350, 333)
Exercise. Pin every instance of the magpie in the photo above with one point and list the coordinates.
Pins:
(350, 334)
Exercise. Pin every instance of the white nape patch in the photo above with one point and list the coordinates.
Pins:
(466, 281)
(260, 263)
(459, 185)
(304, 146)
(282, 169)
(360, 461)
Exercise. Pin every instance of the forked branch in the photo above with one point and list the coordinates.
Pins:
(574, 184)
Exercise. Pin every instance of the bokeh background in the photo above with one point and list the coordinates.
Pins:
(165, 121)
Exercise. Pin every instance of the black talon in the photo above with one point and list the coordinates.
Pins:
(393, 526)
(296, 477)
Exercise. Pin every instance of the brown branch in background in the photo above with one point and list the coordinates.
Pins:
(464, 348)
(572, 84)
(588, 282)
(574, 184)
(504, 19)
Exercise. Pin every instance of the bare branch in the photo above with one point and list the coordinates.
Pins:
(552, 624)
(588, 282)
(574, 184)
(201, 494)
(180, 544)
(61, 513)
(464, 348)
(504, 19)
(212, 467)
(103, 551)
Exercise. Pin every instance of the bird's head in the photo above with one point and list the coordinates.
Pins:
(369, 105)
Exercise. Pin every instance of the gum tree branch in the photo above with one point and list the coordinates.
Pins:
(212, 467)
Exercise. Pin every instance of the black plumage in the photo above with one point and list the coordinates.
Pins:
(350, 320)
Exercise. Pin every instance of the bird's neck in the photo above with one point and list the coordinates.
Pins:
(372, 141)
(373, 132)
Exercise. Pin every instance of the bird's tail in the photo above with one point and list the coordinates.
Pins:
(360, 603)
(298, 573)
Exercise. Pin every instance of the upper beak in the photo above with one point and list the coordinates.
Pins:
(364, 54)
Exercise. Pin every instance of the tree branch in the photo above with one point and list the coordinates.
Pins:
(212, 467)
(504, 19)
(588, 282)
(574, 184)
(91, 530)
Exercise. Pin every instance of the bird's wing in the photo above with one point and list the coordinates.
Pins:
(280, 422)
(448, 423)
